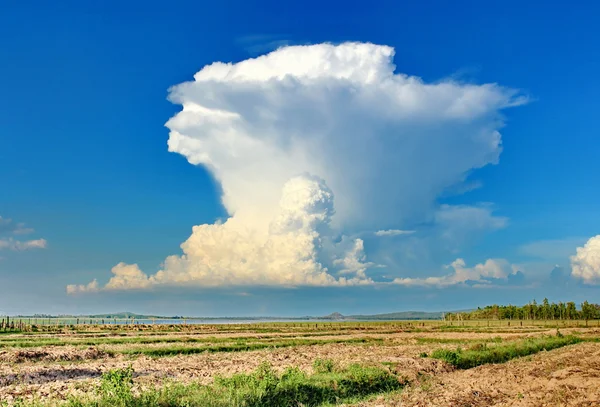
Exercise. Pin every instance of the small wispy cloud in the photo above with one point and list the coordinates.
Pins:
(393, 232)
(22, 230)
(22, 245)
(262, 43)
(9, 229)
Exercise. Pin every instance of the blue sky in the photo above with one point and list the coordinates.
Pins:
(84, 160)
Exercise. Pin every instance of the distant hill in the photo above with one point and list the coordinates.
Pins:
(124, 315)
(335, 316)
(386, 317)
(401, 315)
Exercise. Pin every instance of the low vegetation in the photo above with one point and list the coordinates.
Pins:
(241, 346)
(483, 353)
(300, 364)
(263, 387)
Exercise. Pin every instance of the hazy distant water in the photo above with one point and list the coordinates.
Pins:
(169, 321)
(203, 321)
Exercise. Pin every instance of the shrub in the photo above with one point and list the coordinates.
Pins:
(323, 366)
(116, 385)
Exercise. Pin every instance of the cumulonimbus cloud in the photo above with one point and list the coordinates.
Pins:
(287, 132)
(585, 263)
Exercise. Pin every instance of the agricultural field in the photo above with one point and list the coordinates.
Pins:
(400, 363)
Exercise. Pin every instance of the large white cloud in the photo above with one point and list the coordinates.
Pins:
(384, 143)
(387, 144)
(585, 264)
(232, 254)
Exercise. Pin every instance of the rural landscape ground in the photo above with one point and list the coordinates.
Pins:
(400, 363)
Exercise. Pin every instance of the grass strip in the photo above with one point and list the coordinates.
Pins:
(32, 343)
(427, 340)
(28, 342)
(225, 341)
(241, 347)
(482, 354)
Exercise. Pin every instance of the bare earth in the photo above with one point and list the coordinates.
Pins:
(568, 376)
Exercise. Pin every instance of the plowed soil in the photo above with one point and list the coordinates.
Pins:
(564, 377)
(568, 376)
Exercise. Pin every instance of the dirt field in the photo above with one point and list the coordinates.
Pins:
(33, 368)
(563, 377)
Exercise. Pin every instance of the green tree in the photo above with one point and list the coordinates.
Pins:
(571, 311)
(545, 309)
(562, 310)
(534, 310)
(588, 311)
(554, 311)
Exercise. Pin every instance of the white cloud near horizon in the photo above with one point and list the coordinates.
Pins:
(91, 287)
(482, 273)
(287, 132)
(585, 263)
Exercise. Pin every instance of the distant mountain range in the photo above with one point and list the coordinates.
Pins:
(335, 316)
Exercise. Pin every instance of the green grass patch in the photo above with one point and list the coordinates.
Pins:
(426, 340)
(242, 346)
(89, 340)
(141, 340)
(262, 388)
(9, 332)
(482, 353)
(490, 329)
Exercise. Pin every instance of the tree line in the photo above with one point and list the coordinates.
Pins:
(544, 311)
